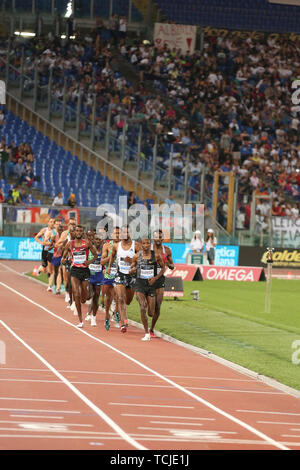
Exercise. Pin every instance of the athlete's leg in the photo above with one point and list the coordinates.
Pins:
(76, 290)
(95, 302)
(156, 313)
(108, 291)
(129, 294)
(121, 294)
(50, 274)
(85, 291)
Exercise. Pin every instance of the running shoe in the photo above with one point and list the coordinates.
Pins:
(123, 329)
(89, 301)
(67, 297)
(54, 289)
(49, 289)
(93, 321)
(62, 289)
(88, 317)
(73, 307)
(146, 337)
(107, 324)
(117, 319)
(152, 335)
(80, 325)
(102, 305)
(57, 292)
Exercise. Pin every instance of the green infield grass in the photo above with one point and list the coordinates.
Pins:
(230, 321)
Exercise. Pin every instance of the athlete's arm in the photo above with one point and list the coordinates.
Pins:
(112, 258)
(159, 261)
(65, 252)
(170, 263)
(93, 250)
(105, 258)
(133, 265)
(39, 235)
(61, 240)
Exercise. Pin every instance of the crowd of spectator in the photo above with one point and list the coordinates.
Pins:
(228, 107)
(17, 162)
(238, 93)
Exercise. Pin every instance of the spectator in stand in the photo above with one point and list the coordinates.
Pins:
(131, 199)
(1, 196)
(72, 200)
(123, 22)
(170, 200)
(4, 155)
(58, 200)
(2, 118)
(10, 199)
(16, 195)
(240, 218)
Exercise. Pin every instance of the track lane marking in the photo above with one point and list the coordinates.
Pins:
(237, 421)
(77, 392)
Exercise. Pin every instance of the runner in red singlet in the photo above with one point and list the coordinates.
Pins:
(80, 273)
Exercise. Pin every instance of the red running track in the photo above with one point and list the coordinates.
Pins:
(66, 388)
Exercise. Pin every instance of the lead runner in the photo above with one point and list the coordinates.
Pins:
(149, 269)
(80, 273)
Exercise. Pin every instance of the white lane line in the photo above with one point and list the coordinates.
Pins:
(26, 410)
(269, 412)
(278, 422)
(31, 380)
(60, 437)
(291, 435)
(87, 372)
(168, 417)
(80, 395)
(237, 421)
(192, 433)
(112, 384)
(175, 422)
(45, 423)
(34, 399)
(153, 406)
(37, 417)
(56, 430)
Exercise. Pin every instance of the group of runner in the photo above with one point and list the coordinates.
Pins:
(116, 267)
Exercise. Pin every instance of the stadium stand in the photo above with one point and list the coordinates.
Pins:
(58, 170)
(250, 15)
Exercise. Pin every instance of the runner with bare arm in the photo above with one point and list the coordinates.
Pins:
(124, 251)
(80, 273)
(166, 255)
(145, 265)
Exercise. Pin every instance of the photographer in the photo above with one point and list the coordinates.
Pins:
(210, 244)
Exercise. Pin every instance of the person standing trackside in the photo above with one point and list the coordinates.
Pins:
(197, 243)
(210, 245)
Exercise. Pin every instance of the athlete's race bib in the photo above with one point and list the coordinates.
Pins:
(146, 273)
(79, 258)
(95, 268)
(113, 270)
(124, 267)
